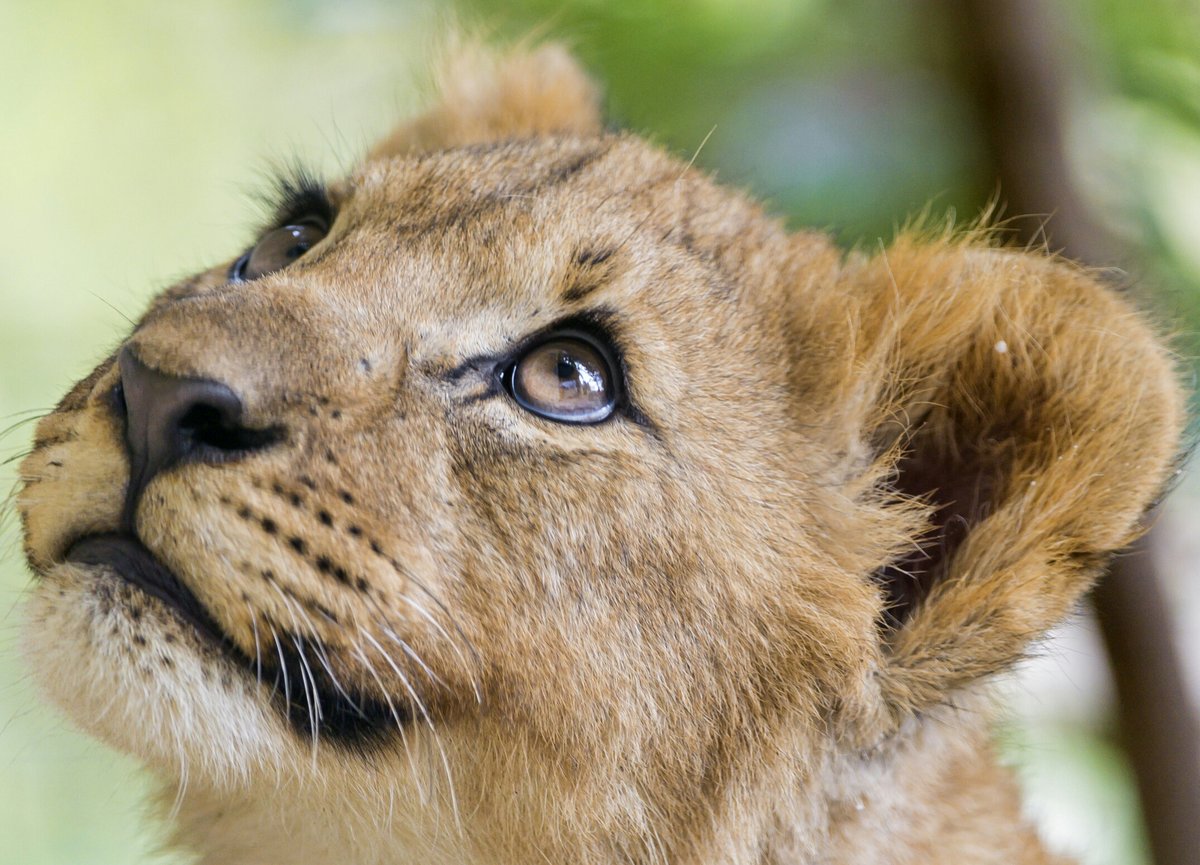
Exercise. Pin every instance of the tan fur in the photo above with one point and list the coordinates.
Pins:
(638, 642)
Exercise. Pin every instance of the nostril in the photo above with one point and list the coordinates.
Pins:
(215, 430)
(173, 419)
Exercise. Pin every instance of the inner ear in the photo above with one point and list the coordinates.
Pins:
(1029, 416)
(957, 479)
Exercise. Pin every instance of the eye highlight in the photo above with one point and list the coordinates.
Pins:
(277, 249)
(569, 378)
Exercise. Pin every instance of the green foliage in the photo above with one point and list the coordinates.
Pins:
(1147, 63)
(836, 112)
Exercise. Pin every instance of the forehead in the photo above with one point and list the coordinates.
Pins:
(466, 252)
(456, 188)
(516, 225)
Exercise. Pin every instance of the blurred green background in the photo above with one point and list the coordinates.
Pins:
(135, 132)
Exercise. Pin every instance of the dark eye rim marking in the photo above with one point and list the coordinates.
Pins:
(601, 348)
(601, 323)
(598, 328)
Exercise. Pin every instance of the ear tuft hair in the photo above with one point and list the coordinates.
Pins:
(486, 95)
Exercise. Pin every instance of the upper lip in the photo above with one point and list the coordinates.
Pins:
(326, 704)
(129, 559)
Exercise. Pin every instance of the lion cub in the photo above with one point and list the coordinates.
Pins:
(527, 497)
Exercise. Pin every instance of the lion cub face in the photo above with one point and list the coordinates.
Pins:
(528, 482)
(507, 446)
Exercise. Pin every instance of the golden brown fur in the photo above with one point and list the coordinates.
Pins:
(699, 634)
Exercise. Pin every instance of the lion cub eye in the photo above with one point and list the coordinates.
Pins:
(566, 378)
(277, 250)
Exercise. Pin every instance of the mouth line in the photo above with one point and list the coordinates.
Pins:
(129, 559)
(311, 702)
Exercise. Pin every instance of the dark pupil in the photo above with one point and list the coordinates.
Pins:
(568, 372)
(577, 378)
(299, 233)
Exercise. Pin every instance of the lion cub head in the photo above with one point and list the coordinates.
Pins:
(527, 496)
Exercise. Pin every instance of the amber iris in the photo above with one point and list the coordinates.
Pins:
(565, 379)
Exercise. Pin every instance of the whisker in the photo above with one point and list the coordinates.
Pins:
(307, 681)
(312, 699)
(469, 668)
(34, 415)
(327, 664)
(26, 411)
(257, 648)
(180, 788)
(387, 626)
(114, 308)
(287, 687)
(387, 698)
(428, 722)
(411, 653)
(412, 578)
(370, 668)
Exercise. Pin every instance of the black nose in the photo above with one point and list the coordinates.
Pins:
(170, 420)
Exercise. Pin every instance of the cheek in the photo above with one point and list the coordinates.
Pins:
(125, 671)
(572, 584)
(553, 511)
(259, 547)
(338, 567)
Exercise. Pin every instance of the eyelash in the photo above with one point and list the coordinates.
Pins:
(298, 193)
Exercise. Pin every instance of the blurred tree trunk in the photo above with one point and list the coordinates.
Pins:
(1011, 57)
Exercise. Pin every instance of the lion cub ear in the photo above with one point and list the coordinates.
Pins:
(486, 95)
(1028, 416)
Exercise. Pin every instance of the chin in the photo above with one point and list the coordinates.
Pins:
(129, 671)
